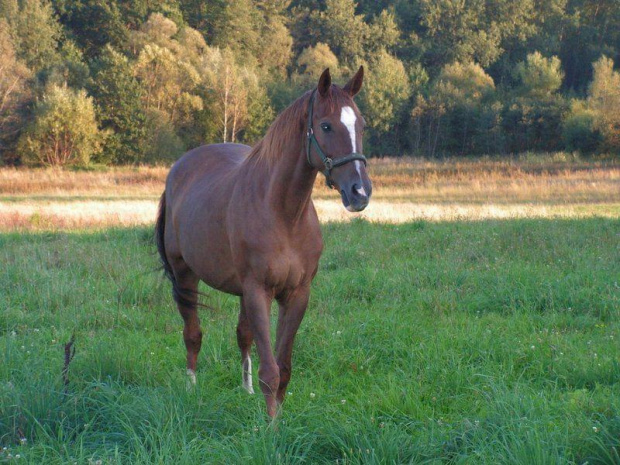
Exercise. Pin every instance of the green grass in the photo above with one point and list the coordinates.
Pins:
(467, 342)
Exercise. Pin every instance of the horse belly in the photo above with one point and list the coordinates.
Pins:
(204, 246)
(207, 253)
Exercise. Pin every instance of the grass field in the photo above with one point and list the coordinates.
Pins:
(443, 341)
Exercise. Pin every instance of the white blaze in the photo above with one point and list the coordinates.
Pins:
(348, 118)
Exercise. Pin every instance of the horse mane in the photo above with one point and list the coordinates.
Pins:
(291, 123)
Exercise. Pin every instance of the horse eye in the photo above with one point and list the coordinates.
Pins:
(326, 127)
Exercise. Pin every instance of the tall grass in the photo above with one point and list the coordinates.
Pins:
(455, 342)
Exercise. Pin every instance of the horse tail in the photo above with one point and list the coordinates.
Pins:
(160, 229)
(178, 293)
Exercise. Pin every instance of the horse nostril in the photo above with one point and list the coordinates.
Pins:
(359, 190)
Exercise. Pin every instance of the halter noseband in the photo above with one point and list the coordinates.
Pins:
(328, 162)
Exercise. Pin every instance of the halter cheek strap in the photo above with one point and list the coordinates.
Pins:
(328, 163)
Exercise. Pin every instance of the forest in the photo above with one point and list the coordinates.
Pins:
(90, 82)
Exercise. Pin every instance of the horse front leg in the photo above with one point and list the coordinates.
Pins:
(292, 309)
(257, 304)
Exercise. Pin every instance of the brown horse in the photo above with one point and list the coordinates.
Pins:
(241, 219)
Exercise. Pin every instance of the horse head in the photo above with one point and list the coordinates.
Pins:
(334, 139)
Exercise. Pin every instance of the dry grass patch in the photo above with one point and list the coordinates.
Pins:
(91, 214)
(405, 189)
(110, 182)
(501, 181)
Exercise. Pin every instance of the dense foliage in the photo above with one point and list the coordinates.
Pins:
(448, 76)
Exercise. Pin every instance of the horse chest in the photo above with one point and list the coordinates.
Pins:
(289, 269)
(282, 262)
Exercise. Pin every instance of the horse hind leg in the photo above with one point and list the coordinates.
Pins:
(185, 294)
(244, 340)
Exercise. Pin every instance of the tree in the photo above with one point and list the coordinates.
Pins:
(94, 23)
(260, 114)
(458, 113)
(70, 68)
(168, 82)
(15, 95)
(230, 86)
(591, 29)
(162, 143)
(383, 99)
(579, 131)
(604, 100)
(64, 131)
(464, 83)
(312, 61)
(238, 28)
(533, 118)
(344, 31)
(383, 33)
(275, 49)
(458, 32)
(35, 32)
(464, 90)
(168, 67)
(539, 76)
(157, 30)
(117, 94)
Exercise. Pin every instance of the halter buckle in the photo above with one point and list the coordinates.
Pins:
(329, 163)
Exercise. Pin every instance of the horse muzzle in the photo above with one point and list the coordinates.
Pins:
(356, 196)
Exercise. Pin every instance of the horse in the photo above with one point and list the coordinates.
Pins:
(242, 220)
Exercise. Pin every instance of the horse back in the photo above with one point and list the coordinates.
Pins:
(205, 163)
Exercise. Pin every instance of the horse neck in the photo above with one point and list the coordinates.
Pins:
(288, 190)
(291, 183)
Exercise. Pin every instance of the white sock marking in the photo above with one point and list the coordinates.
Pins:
(246, 375)
(192, 377)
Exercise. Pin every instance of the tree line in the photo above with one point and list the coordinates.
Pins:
(116, 82)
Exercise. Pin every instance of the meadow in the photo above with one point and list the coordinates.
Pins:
(464, 337)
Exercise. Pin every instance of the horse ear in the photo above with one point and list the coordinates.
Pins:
(355, 84)
(325, 83)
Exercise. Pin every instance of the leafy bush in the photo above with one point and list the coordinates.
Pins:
(579, 132)
(64, 131)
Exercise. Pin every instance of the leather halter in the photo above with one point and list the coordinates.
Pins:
(328, 163)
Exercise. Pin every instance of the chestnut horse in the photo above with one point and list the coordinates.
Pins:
(242, 220)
